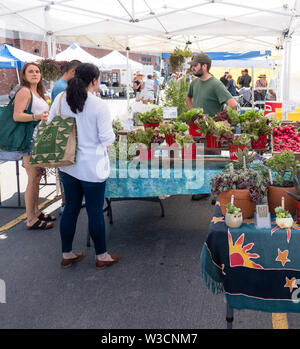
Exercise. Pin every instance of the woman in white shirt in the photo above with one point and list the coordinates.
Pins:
(87, 177)
(31, 82)
(148, 90)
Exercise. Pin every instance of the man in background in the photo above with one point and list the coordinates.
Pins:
(61, 84)
(245, 79)
(224, 78)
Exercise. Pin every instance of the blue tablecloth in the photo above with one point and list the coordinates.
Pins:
(157, 181)
(257, 269)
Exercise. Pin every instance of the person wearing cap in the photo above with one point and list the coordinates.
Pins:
(224, 78)
(260, 95)
(206, 91)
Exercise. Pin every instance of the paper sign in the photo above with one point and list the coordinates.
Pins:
(170, 112)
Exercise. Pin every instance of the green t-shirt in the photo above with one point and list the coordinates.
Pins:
(209, 95)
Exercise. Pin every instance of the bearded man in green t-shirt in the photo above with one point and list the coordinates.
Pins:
(207, 92)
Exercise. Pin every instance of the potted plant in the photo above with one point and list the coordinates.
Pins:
(152, 118)
(170, 129)
(285, 167)
(189, 118)
(296, 195)
(178, 57)
(239, 142)
(247, 186)
(144, 139)
(175, 96)
(258, 130)
(233, 217)
(187, 145)
(284, 219)
(230, 115)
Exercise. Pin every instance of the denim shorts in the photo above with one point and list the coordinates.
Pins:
(28, 150)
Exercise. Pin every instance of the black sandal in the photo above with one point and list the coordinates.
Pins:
(46, 217)
(41, 225)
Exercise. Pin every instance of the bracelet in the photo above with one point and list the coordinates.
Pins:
(33, 117)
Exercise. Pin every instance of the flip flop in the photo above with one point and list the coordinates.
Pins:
(46, 217)
(40, 225)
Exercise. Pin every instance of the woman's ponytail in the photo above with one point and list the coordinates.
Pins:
(77, 94)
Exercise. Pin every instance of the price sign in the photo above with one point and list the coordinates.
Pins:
(170, 112)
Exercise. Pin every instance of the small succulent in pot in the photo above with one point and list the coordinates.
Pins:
(233, 217)
(283, 218)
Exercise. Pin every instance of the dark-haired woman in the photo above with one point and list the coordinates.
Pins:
(87, 177)
(31, 84)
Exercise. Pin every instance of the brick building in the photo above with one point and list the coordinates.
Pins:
(35, 45)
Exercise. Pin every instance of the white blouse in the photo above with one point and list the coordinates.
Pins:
(94, 132)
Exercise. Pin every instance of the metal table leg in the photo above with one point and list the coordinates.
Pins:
(229, 317)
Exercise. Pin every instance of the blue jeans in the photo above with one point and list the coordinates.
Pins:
(74, 190)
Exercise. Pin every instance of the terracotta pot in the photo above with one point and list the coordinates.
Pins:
(241, 199)
(274, 198)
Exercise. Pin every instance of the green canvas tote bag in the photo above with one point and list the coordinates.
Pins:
(56, 143)
(15, 136)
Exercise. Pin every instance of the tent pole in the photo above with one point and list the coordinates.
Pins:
(127, 79)
(286, 76)
(252, 89)
(18, 76)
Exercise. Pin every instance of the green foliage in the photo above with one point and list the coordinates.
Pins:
(117, 126)
(221, 128)
(206, 125)
(177, 57)
(234, 115)
(250, 115)
(173, 127)
(284, 164)
(183, 139)
(189, 115)
(230, 208)
(51, 69)
(141, 136)
(274, 122)
(242, 139)
(152, 116)
(281, 213)
(256, 127)
(176, 96)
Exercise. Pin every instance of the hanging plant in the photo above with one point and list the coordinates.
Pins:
(178, 56)
(51, 69)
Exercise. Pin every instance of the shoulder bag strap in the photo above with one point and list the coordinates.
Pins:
(59, 103)
(30, 102)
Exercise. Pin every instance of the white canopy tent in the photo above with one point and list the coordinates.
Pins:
(115, 60)
(160, 26)
(76, 52)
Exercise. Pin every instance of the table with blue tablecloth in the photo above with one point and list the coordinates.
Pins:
(257, 269)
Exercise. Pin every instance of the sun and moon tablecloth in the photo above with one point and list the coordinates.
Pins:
(257, 269)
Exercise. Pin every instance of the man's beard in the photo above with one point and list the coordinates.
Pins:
(199, 73)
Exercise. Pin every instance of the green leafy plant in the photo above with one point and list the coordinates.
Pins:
(222, 128)
(230, 208)
(233, 115)
(242, 139)
(256, 127)
(189, 115)
(285, 165)
(183, 139)
(176, 96)
(250, 115)
(178, 56)
(51, 69)
(152, 116)
(172, 127)
(281, 213)
(240, 179)
(206, 124)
